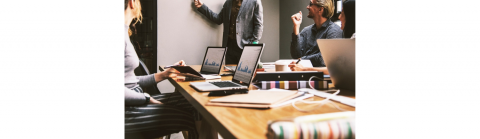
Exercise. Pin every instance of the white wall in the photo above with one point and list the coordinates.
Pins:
(184, 34)
(271, 30)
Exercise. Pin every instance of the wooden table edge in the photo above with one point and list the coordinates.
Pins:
(202, 110)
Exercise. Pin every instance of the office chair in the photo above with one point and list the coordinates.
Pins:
(143, 70)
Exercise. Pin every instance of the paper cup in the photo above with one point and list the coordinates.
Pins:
(282, 66)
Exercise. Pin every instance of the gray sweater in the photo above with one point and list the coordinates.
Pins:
(131, 81)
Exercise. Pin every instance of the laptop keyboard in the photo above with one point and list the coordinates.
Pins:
(225, 84)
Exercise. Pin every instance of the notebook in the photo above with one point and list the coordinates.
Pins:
(256, 99)
(191, 74)
(243, 74)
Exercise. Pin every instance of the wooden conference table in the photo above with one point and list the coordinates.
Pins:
(243, 123)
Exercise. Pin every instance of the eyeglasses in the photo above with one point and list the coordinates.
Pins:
(311, 4)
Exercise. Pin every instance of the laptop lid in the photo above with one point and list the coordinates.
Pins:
(339, 57)
(248, 64)
(213, 60)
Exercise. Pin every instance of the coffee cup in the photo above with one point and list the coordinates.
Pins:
(282, 66)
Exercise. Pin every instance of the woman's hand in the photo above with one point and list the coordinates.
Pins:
(154, 101)
(299, 67)
(180, 63)
(168, 73)
(296, 67)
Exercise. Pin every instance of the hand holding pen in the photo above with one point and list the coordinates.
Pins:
(298, 61)
(168, 72)
(294, 66)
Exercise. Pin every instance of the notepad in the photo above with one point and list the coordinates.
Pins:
(255, 99)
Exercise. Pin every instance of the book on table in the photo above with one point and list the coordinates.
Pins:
(256, 99)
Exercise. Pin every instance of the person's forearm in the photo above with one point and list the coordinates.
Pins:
(319, 69)
(258, 29)
(216, 18)
(312, 56)
(133, 98)
(295, 47)
(296, 30)
(322, 69)
(258, 22)
(146, 80)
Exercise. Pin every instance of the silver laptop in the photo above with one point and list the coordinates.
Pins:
(339, 57)
(243, 73)
(211, 65)
(213, 60)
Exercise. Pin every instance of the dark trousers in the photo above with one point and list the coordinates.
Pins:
(233, 52)
(155, 120)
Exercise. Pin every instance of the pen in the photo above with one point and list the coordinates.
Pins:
(298, 61)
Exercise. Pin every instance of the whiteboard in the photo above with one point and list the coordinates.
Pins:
(184, 33)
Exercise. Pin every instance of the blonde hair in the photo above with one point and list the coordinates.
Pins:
(138, 11)
(328, 7)
(138, 16)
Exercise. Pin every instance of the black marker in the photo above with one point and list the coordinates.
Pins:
(298, 61)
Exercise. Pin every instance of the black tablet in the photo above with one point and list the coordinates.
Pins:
(186, 69)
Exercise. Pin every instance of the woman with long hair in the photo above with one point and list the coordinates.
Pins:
(147, 114)
(347, 18)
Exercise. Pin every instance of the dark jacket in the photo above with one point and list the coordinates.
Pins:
(249, 26)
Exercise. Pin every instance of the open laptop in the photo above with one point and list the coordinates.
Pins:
(211, 64)
(339, 57)
(243, 73)
(213, 60)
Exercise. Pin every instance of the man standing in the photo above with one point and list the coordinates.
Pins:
(242, 24)
(304, 44)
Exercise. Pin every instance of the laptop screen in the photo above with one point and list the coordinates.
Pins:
(248, 62)
(213, 60)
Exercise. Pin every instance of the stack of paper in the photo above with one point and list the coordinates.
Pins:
(258, 99)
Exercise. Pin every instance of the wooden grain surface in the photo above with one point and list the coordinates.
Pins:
(244, 123)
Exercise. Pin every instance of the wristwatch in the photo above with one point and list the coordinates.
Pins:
(147, 97)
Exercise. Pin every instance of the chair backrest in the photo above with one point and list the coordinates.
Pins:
(143, 70)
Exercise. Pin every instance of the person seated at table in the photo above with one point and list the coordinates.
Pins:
(347, 18)
(158, 115)
(304, 44)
